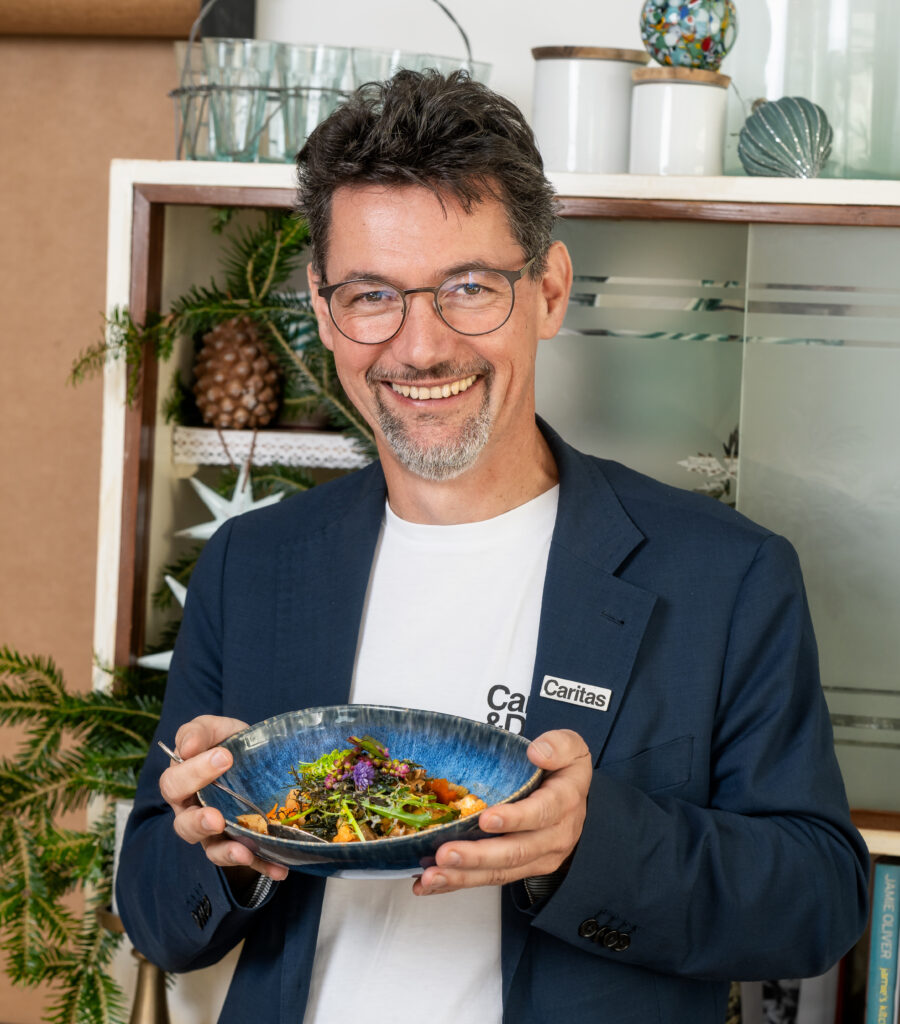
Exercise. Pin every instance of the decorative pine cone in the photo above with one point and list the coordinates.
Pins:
(238, 383)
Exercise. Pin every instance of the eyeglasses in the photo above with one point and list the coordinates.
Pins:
(472, 302)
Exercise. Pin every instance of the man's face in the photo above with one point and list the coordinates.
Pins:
(438, 401)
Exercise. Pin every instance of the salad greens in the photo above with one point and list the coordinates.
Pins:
(361, 793)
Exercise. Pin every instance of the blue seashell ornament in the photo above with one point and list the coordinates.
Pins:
(689, 33)
(786, 138)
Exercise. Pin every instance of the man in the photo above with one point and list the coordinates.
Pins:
(692, 828)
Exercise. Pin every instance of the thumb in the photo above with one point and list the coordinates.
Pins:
(557, 749)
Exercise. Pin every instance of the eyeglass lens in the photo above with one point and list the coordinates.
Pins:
(474, 302)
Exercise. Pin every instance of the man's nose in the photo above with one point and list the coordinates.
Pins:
(424, 338)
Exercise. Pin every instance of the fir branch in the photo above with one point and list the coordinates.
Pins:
(264, 256)
(89, 993)
(86, 716)
(303, 407)
(69, 857)
(132, 682)
(222, 216)
(257, 293)
(268, 480)
(200, 309)
(178, 406)
(43, 941)
(29, 920)
(32, 670)
(124, 337)
(339, 408)
(165, 641)
(70, 783)
(180, 570)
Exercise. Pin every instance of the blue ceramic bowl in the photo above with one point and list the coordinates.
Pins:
(490, 762)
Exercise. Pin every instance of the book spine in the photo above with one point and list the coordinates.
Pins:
(882, 979)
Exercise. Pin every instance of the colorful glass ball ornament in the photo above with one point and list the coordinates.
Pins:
(691, 34)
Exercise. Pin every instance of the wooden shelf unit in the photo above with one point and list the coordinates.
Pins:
(140, 193)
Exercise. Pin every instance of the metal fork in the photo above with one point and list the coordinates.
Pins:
(274, 828)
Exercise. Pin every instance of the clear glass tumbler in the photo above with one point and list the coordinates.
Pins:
(477, 69)
(194, 133)
(379, 65)
(238, 71)
(308, 81)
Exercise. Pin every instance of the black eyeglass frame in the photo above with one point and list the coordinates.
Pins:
(511, 276)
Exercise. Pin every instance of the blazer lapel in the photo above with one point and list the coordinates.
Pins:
(591, 628)
(323, 577)
(592, 622)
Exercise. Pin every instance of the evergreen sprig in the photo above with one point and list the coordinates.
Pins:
(263, 257)
(268, 480)
(180, 570)
(125, 338)
(77, 747)
(257, 263)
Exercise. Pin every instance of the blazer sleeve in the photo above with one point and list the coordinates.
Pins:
(176, 906)
(769, 879)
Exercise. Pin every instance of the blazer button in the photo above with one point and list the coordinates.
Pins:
(600, 935)
(588, 929)
(611, 938)
(623, 942)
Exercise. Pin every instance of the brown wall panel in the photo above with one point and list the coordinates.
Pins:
(165, 19)
(67, 107)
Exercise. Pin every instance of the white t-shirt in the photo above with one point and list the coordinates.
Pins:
(450, 624)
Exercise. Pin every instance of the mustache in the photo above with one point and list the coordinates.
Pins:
(411, 375)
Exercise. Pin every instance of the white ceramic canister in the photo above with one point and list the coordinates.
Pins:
(582, 107)
(678, 121)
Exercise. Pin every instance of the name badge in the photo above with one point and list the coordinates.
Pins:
(570, 692)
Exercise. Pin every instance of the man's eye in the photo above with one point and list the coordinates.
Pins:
(467, 289)
(369, 297)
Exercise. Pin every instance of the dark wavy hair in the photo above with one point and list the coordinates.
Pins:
(449, 134)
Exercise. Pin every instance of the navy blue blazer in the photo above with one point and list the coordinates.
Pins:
(718, 844)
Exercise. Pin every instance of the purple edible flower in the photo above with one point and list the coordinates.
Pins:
(363, 774)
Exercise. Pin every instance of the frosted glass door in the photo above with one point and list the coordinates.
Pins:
(820, 463)
(647, 369)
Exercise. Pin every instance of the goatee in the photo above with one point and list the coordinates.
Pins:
(441, 460)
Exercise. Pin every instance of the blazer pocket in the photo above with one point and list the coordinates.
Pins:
(656, 769)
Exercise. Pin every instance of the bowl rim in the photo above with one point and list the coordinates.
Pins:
(396, 842)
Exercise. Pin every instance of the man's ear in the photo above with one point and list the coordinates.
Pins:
(556, 284)
(320, 308)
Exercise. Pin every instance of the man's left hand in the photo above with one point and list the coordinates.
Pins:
(538, 833)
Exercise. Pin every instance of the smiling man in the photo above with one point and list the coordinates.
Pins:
(692, 827)
(443, 372)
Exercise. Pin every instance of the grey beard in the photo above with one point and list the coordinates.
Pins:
(438, 461)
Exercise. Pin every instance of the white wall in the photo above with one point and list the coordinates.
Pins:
(500, 32)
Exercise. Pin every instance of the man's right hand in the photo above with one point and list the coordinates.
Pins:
(196, 741)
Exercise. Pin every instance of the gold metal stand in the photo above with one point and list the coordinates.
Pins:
(149, 1005)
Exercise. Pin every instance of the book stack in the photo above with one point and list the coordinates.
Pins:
(882, 992)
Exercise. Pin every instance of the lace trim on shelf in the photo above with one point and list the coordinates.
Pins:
(202, 446)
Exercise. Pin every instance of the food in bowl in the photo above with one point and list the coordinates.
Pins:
(491, 762)
(362, 794)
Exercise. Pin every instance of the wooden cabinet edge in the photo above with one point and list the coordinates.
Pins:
(880, 830)
(881, 843)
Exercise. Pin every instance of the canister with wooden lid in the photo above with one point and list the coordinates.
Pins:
(582, 106)
(678, 121)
